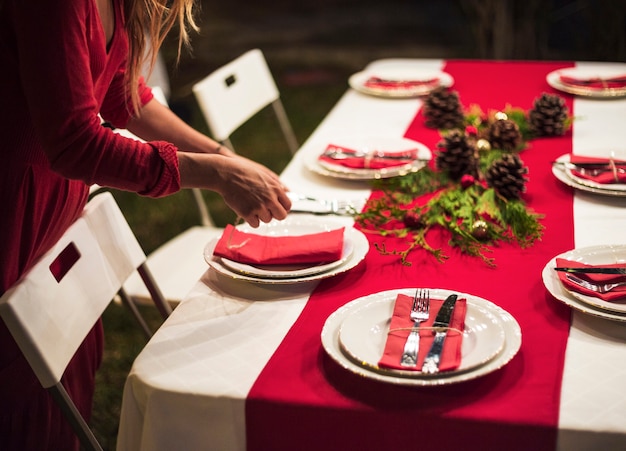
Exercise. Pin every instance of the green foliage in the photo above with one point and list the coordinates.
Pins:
(474, 215)
(453, 208)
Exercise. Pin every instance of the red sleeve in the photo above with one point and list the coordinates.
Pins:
(67, 77)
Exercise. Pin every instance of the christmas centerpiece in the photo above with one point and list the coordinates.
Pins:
(474, 191)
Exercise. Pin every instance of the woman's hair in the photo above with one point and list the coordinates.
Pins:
(147, 24)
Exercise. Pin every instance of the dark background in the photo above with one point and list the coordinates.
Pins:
(344, 35)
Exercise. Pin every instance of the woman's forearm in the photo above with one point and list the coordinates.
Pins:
(157, 122)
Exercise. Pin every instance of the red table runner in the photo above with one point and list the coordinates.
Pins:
(303, 400)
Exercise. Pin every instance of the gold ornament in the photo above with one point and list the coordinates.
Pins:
(483, 145)
(480, 230)
(501, 116)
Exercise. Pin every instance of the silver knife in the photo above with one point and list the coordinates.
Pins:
(594, 270)
(442, 321)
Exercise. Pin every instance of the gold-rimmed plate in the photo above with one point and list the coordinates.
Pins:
(389, 145)
(590, 305)
(356, 247)
(363, 334)
(564, 174)
(512, 342)
(554, 79)
(402, 82)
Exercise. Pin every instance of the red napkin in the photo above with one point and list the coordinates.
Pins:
(613, 295)
(595, 82)
(604, 177)
(359, 162)
(250, 248)
(400, 328)
(382, 83)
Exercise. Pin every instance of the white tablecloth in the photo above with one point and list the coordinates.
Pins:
(187, 388)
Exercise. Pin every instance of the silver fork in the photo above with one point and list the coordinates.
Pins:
(419, 313)
(598, 288)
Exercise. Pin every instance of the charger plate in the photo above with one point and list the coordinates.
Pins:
(364, 143)
(512, 342)
(356, 247)
(565, 175)
(590, 305)
(554, 80)
(431, 79)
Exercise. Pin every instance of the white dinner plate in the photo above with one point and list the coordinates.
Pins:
(512, 341)
(353, 238)
(593, 255)
(358, 81)
(368, 143)
(563, 174)
(363, 334)
(554, 80)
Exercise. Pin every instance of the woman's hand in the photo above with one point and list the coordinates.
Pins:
(254, 192)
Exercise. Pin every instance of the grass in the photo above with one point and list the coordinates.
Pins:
(307, 97)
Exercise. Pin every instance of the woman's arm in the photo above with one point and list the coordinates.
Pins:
(253, 191)
(158, 122)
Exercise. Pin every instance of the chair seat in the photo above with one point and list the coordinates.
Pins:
(177, 265)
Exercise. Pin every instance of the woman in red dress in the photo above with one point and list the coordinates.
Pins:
(64, 63)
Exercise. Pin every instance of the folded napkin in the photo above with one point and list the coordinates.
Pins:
(613, 295)
(243, 247)
(400, 328)
(377, 159)
(615, 171)
(618, 81)
(383, 83)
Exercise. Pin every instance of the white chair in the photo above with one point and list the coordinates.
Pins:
(52, 308)
(237, 91)
(178, 263)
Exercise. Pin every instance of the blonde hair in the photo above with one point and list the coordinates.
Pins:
(147, 24)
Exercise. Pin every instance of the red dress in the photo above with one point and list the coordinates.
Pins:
(58, 74)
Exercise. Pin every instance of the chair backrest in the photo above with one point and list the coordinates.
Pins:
(53, 307)
(50, 311)
(235, 92)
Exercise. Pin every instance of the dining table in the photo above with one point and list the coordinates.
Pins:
(243, 365)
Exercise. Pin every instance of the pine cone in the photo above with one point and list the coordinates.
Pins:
(457, 155)
(507, 176)
(548, 116)
(504, 134)
(442, 109)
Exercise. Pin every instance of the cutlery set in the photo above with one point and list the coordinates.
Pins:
(315, 206)
(419, 313)
(598, 288)
(339, 153)
(592, 169)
